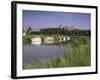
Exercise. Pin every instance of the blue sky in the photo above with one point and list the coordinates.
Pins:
(45, 19)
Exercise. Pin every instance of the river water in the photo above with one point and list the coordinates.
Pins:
(44, 51)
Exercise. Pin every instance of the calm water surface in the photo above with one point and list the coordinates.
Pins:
(37, 52)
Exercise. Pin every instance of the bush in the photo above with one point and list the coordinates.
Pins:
(77, 55)
(26, 40)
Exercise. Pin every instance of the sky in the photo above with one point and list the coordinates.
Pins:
(47, 19)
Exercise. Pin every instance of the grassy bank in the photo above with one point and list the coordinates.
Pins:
(27, 38)
(77, 55)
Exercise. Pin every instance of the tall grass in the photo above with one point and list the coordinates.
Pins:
(77, 55)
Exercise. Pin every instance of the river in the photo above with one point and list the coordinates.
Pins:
(34, 53)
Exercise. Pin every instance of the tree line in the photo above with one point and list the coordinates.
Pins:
(59, 31)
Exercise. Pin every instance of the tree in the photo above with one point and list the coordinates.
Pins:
(29, 31)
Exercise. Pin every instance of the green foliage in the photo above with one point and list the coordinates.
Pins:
(58, 31)
(29, 31)
(78, 55)
(26, 40)
(29, 66)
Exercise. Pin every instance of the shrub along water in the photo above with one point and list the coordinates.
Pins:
(77, 55)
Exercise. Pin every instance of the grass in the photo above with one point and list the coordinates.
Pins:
(77, 55)
(27, 38)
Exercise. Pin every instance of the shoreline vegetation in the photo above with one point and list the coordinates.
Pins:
(77, 56)
(30, 33)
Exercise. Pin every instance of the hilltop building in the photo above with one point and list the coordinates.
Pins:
(67, 27)
(36, 29)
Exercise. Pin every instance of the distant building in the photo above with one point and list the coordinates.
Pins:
(64, 38)
(48, 40)
(68, 38)
(67, 27)
(36, 41)
(24, 34)
(36, 29)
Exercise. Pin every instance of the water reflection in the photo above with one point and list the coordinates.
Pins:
(35, 52)
(48, 40)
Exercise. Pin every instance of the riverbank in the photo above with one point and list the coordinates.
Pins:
(77, 55)
(55, 38)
